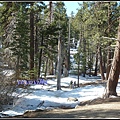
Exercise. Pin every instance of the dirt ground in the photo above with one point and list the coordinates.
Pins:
(96, 109)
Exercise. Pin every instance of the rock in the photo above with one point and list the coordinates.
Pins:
(72, 99)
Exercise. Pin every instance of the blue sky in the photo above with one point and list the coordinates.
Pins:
(70, 6)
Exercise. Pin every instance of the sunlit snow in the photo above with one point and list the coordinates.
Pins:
(48, 97)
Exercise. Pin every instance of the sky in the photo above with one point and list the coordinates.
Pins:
(70, 6)
(47, 97)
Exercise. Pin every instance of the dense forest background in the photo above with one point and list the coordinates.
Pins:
(36, 39)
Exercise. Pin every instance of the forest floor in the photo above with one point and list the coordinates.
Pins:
(98, 108)
(90, 109)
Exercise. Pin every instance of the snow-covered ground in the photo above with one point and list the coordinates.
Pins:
(48, 97)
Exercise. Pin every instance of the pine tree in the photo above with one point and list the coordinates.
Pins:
(7, 20)
(60, 19)
(20, 41)
(115, 70)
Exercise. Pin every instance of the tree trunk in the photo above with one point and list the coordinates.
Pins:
(115, 69)
(90, 64)
(66, 71)
(46, 67)
(109, 53)
(78, 72)
(17, 68)
(31, 42)
(104, 61)
(51, 71)
(96, 64)
(101, 65)
(59, 64)
(108, 63)
(50, 5)
(40, 57)
(68, 67)
(84, 58)
(36, 46)
(55, 67)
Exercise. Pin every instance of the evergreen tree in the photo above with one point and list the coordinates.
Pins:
(20, 41)
(60, 19)
(115, 70)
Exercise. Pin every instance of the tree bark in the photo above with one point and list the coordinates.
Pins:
(109, 53)
(46, 67)
(36, 45)
(84, 52)
(78, 72)
(51, 67)
(31, 42)
(66, 68)
(96, 63)
(108, 63)
(17, 68)
(101, 64)
(59, 64)
(115, 69)
(40, 56)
